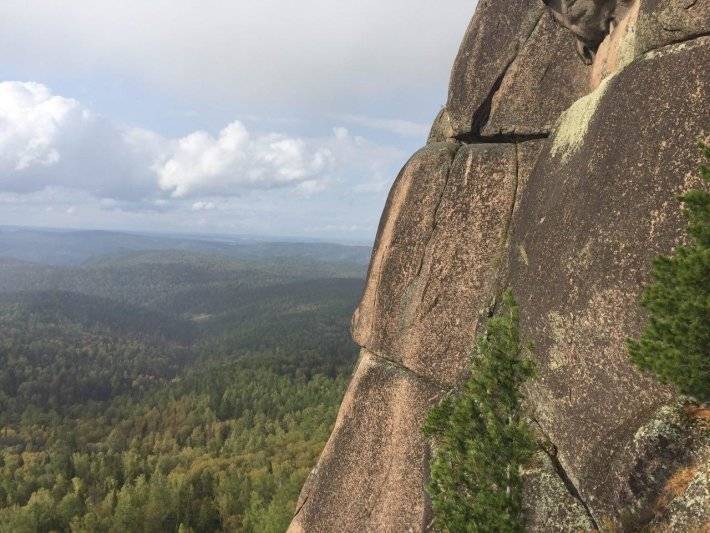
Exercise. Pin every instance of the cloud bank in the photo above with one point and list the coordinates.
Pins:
(310, 55)
(50, 141)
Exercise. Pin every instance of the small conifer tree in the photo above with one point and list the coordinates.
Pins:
(675, 344)
(481, 440)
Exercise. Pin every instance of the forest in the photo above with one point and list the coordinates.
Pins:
(168, 390)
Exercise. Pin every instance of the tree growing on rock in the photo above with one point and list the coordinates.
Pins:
(481, 439)
(675, 344)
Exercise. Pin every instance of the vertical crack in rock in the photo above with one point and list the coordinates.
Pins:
(434, 217)
(300, 507)
(551, 451)
(516, 184)
(571, 488)
(483, 113)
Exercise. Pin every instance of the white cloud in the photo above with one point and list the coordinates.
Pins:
(404, 128)
(235, 160)
(203, 206)
(31, 123)
(49, 141)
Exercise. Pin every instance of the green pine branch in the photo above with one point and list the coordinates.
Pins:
(481, 441)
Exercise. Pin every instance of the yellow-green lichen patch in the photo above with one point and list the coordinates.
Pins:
(627, 47)
(666, 424)
(523, 255)
(574, 123)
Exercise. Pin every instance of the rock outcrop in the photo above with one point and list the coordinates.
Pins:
(561, 181)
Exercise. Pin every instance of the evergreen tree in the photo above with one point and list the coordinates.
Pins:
(481, 440)
(675, 344)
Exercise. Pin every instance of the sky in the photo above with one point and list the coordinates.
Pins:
(269, 117)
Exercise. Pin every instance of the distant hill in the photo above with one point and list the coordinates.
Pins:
(102, 313)
(154, 278)
(72, 248)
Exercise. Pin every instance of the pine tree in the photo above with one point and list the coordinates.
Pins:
(675, 344)
(481, 440)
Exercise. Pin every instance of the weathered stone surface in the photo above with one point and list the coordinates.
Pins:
(663, 22)
(372, 473)
(441, 130)
(440, 242)
(496, 34)
(619, 47)
(649, 25)
(683, 501)
(545, 78)
(600, 204)
(547, 503)
(401, 238)
(588, 20)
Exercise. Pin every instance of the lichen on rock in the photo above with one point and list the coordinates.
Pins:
(574, 123)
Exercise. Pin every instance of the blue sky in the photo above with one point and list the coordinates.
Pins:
(271, 117)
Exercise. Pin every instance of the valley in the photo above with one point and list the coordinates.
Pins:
(169, 389)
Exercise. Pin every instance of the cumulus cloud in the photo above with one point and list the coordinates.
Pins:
(30, 122)
(47, 140)
(236, 160)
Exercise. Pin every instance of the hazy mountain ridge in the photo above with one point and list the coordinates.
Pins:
(71, 248)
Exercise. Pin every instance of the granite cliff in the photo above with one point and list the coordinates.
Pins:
(554, 169)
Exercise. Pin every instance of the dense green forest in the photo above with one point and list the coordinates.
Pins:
(168, 391)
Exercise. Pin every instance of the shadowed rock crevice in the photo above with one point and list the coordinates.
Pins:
(501, 138)
(550, 450)
(483, 113)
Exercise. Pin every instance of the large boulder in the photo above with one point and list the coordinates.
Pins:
(372, 473)
(494, 37)
(648, 25)
(601, 203)
(663, 22)
(514, 73)
(543, 80)
(433, 269)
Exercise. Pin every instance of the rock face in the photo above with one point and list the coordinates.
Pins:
(559, 180)
(435, 256)
(580, 253)
(371, 471)
(541, 82)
